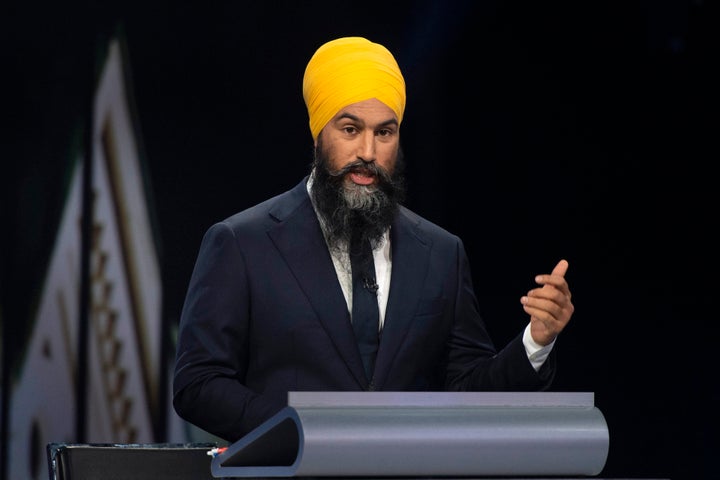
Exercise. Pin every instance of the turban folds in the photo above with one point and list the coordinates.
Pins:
(349, 70)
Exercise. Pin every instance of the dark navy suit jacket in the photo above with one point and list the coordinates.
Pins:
(265, 314)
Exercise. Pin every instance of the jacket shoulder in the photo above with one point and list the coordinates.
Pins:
(424, 226)
(272, 210)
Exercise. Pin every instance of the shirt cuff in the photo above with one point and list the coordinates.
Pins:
(537, 354)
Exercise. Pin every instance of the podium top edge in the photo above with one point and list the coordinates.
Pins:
(440, 399)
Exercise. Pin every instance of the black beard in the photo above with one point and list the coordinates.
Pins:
(357, 213)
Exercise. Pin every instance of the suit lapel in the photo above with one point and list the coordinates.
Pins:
(299, 239)
(410, 263)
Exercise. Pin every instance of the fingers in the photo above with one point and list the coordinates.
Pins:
(548, 316)
(547, 304)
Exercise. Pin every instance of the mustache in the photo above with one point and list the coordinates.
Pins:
(361, 166)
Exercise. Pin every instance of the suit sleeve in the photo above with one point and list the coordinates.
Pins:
(212, 347)
(473, 363)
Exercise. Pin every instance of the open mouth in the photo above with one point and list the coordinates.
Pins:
(361, 176)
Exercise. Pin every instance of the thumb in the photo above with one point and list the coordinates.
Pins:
(560, 268)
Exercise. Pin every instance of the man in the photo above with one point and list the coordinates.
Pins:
(271, 306)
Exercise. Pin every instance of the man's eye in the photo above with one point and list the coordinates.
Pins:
(384, 132)
(349, 129)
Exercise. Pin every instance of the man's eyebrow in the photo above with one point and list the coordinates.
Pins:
(350, 116)
(391, 121)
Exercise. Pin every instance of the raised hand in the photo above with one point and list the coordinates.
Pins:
(550, 306)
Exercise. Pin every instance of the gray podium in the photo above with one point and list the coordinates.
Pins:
(423, 434)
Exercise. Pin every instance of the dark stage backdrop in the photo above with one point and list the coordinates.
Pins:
(534, 130)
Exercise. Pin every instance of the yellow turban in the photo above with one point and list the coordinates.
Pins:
(349, 70)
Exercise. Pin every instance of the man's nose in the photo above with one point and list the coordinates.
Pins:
(366, 149)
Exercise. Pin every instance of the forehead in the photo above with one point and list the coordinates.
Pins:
(371, 111)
